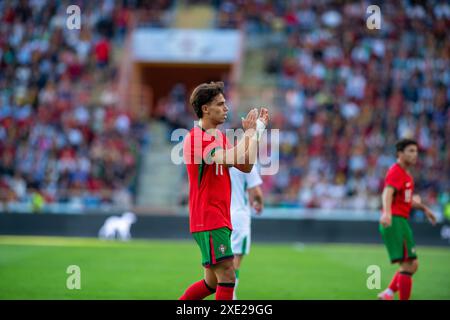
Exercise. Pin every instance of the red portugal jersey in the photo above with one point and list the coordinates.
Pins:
(398, 178)
(209, 183)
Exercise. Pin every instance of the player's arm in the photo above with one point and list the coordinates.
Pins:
(417, 204)
(256, 198)
(386, 201)
(245, 163)
(235, 155)
(243, 155)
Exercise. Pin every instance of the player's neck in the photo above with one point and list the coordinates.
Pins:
(206, 124)
(403, 165)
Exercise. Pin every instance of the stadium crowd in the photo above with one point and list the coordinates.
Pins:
(63, 139)
(346, 93)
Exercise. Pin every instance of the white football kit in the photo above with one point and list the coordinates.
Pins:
(240, 208)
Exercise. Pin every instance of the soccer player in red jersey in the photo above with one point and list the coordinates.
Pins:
(208, 155)
(397, 200)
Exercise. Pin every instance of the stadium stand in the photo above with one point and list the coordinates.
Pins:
(342, 94)
(346, 93)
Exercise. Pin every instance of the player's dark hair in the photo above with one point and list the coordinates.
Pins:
(204, 94)
(401, 145)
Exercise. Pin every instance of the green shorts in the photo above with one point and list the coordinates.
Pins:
(399, 241)
(215, 245)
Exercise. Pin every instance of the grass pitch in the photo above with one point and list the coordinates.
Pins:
(36, 268)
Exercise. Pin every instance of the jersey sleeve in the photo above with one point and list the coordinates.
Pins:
(252, 178)
(393, 179)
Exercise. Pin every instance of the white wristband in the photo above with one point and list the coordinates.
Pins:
(260, 127)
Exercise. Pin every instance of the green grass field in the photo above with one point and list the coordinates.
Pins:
(35, 268)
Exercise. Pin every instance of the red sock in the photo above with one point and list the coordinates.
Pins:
(197, 291)
(225, 291)
(404, 285)
(394, 282)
